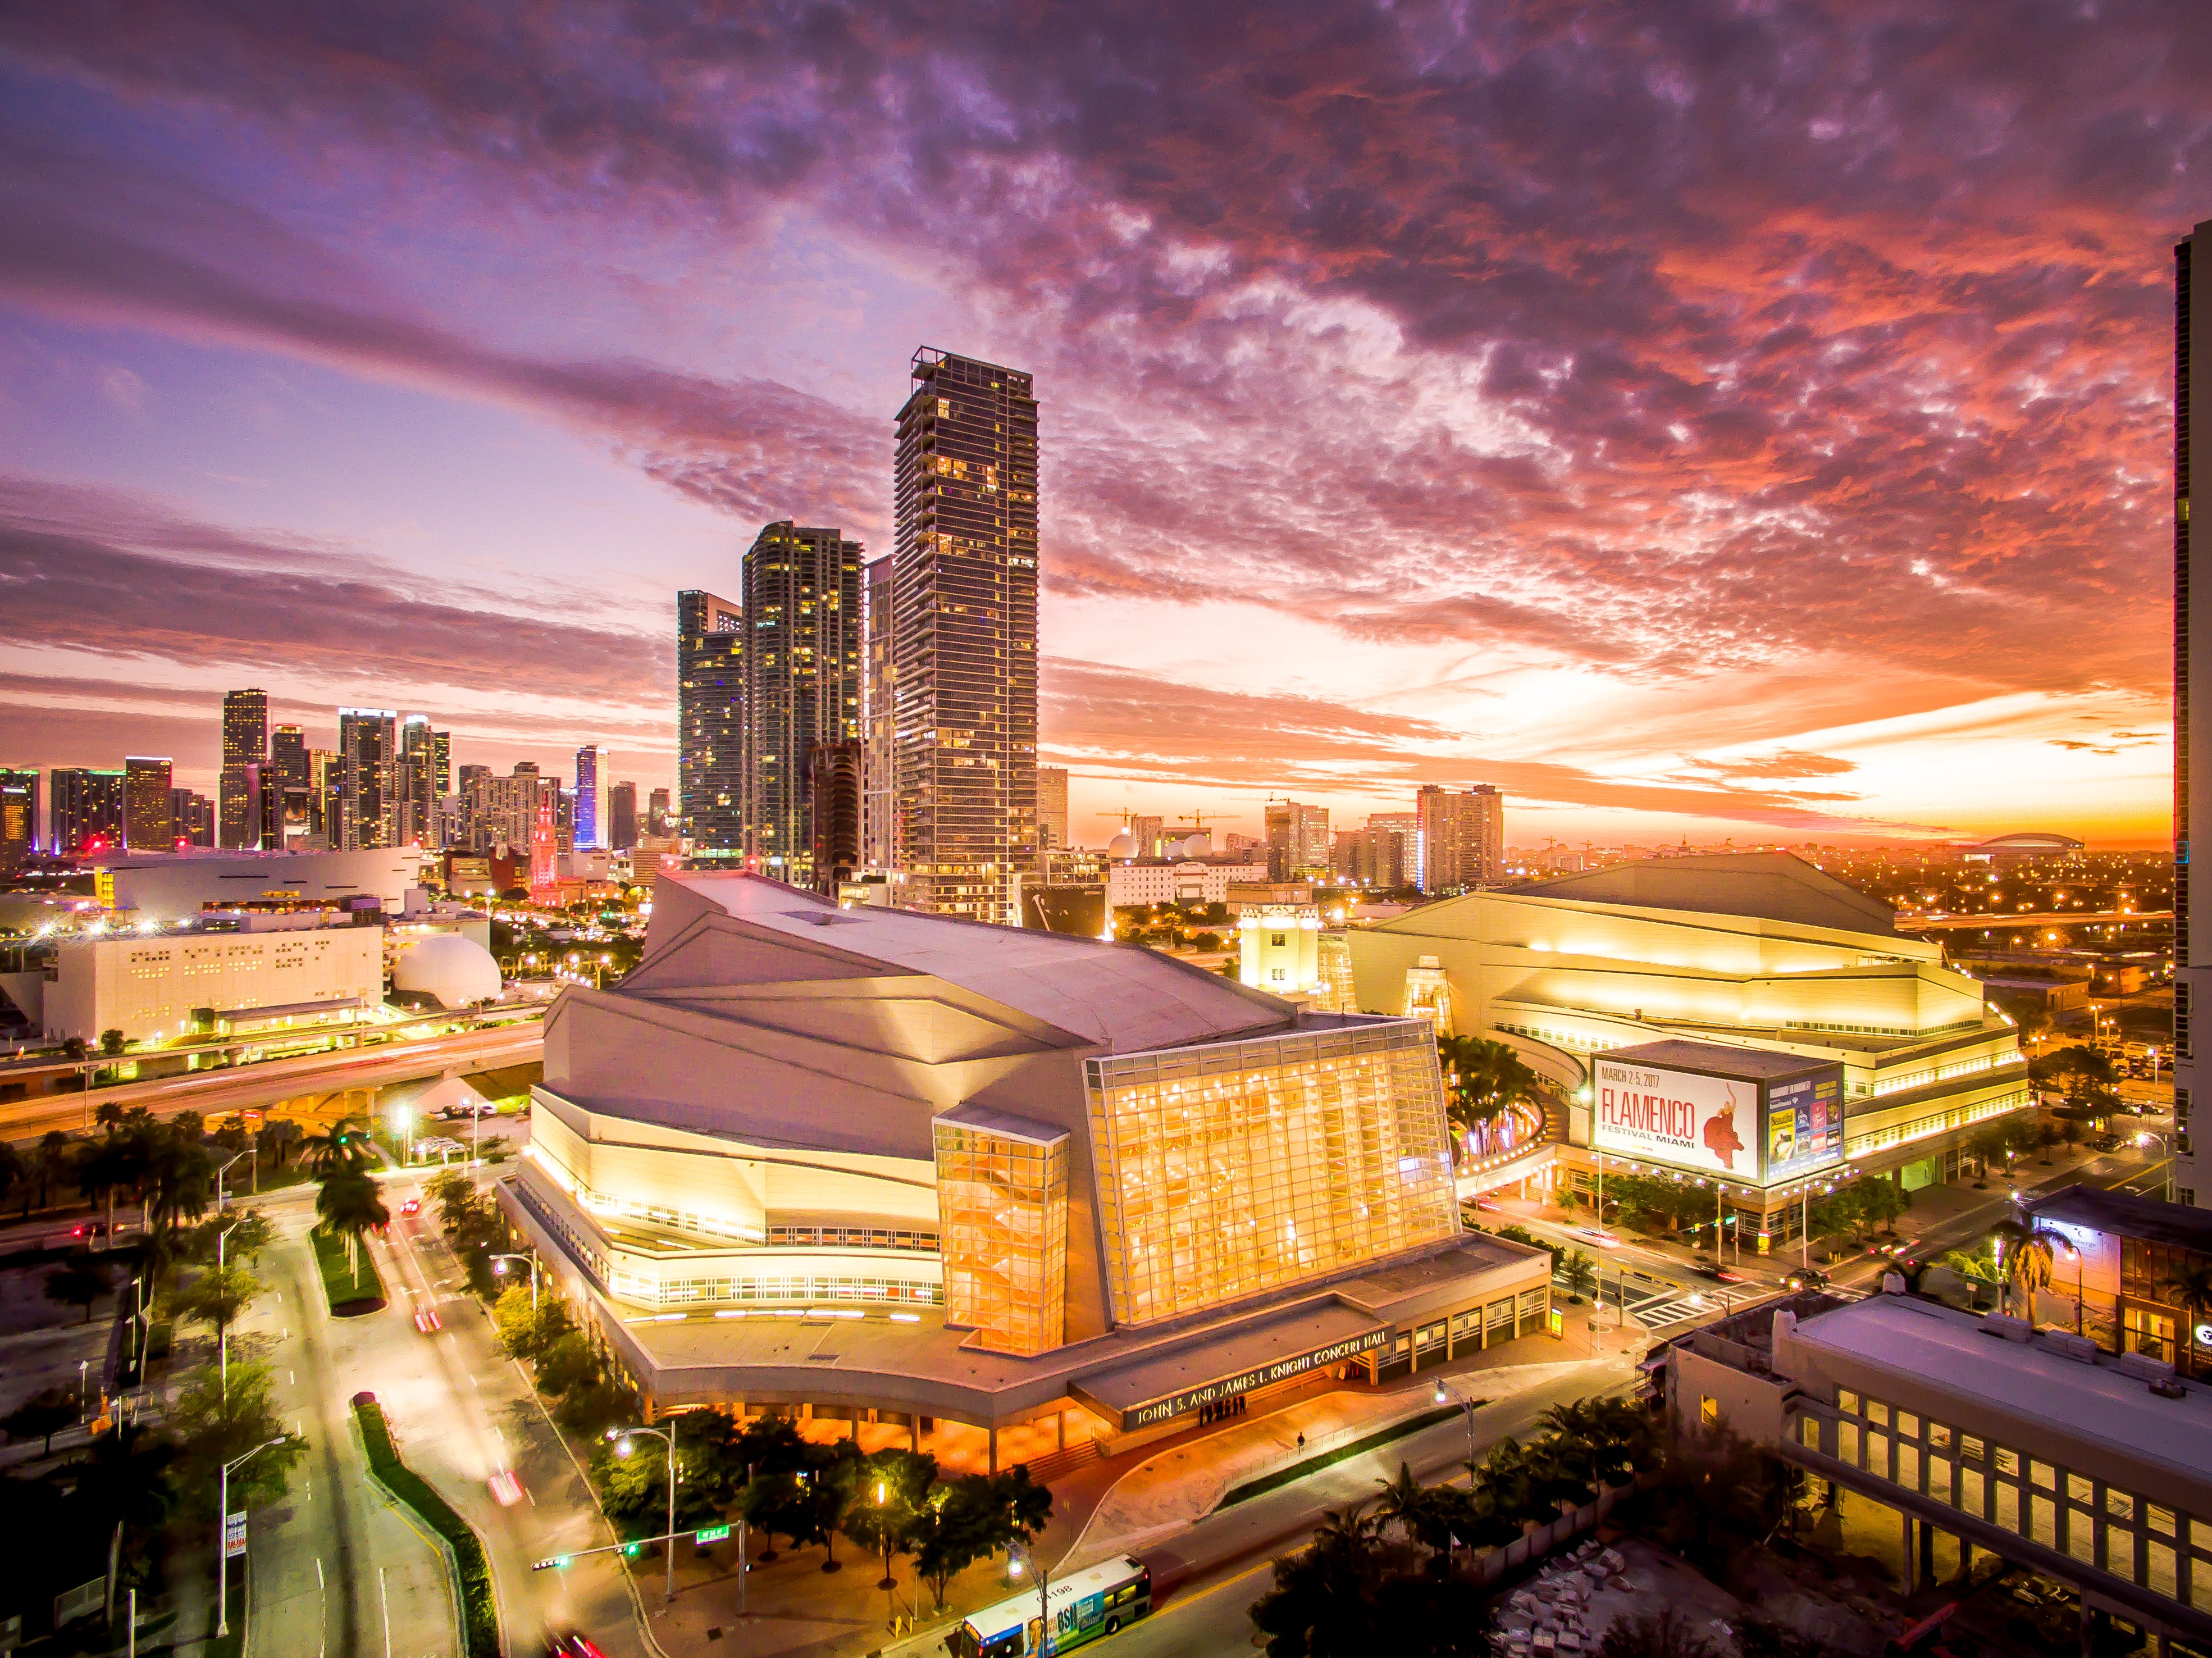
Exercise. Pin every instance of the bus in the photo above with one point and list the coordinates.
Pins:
(1086, 1604)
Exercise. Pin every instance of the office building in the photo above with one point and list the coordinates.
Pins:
(325, 779)
(1742, 951)
(368, 779)
(1299, 847)
(1929, 1431)
(800, 592)
(244, 743)
(1052, 808)
(710, 718)
(166, 889)
(591, 810)
(288, 776)
(19, 817)
(424, 767)
(147, 823)
(965, 611)
(1385, 855)
(656, 813)
(2192, 731)
(1463, 838)
(1134, 882)
(2120, 1265)
(153, 986)
(878, 719)
(191, 818)
(88, 809)
(622, 816)
(1001, 1212)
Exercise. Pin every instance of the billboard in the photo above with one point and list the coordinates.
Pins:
(1804, 1126)
(1708, 1124)
(1719, 1125)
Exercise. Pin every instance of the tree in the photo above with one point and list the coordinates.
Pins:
(1579, 1272)
(217, 1296)
(73, 1047)
(1483, 1080)
(343, 1145)
(1880, 1201)
(78, 1284)
(889, 1491)
(14, 1170)
(112, 1043)
(2023, 1254)
(348, 1205)
(43, 1415)
(277, 1135)
(55, 1160)
(526, 1332)
(212, 1425)
(245, 1233)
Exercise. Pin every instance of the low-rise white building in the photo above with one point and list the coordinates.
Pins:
(1175, 881)
(176, 886)
(150, 984)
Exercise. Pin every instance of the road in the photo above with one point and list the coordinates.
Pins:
(462, 1415)
(1212, 1572)
(337, 1570)
(253, 1087)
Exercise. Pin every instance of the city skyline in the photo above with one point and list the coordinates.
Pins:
(1726, 487)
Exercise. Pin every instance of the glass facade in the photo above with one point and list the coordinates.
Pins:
(1231, 1169)
(1002, 1207)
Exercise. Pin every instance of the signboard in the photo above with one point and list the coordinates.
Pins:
(1160, 1409)
(233, 1535)
(710, 1533)
(1804, 1126)
(1707, 1124)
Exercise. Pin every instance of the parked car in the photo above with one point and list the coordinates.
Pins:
(2107, 1143)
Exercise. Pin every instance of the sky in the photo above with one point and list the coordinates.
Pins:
(1729, 421)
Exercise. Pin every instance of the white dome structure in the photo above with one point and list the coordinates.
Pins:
(1196, 846)
(1122, 846)
(452, 971)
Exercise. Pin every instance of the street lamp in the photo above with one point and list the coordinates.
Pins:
(1444, 1395)
(2144, 1137)
(622, 1438)
(222, 1331)
(225, 1169)
(222, 1537)
(883, 1497)
(1017, 1559)
(531, 1261)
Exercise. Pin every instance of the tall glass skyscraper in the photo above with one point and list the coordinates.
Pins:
(964, 596)
(2192, 727)
(591, 796)
(244, 743)
(710, 718)
(801, 594)
(368, 779)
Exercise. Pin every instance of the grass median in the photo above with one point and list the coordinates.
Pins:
(479, 1613)
(350, 1293)
(1299, 1470)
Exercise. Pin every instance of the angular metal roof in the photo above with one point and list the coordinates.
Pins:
(1773, 886)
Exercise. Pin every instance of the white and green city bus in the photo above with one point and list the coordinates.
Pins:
(1086, 1604)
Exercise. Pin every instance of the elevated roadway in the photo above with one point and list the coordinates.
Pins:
(256, 1087)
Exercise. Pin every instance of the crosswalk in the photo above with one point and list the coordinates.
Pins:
(1655, 1312)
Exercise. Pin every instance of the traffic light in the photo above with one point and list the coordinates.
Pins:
(630, 1548)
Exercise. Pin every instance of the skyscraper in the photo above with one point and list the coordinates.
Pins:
(325, 779)
(368, 779)
(710, 707)
(1462, 837)
(622, 818)
(800, 590)
(244, 743)
(19, 817)
(287, 776)
(87, 808)
(415, 822)
(878, 723)
(1052, 808)
(148, 824)
(965, 615)
(475, 808)
(833, 810)
(1299, 845)
(656, 813)
(2192, 726)
(590, 800)
(191, 818)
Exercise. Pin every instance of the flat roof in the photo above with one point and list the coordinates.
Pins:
(1290, 1334)
(1005, 1124)
(2127, 1215)
(1720, 1059)
(1923, 1343)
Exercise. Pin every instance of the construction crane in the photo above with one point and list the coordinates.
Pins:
(1198, 820)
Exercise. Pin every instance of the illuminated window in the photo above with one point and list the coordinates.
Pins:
(1002, 1204)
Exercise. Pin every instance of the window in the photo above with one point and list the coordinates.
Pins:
(1939, 1436)
(1847, 1401)
(1908, 1425)
(1971, 1448)
(1847, 1442)
(2077, 1489)
(1809, 1433)
(2119, 1505)
(2161, 1520)
(1877, 1412)
(2043, 1474)
(2007, 1462)
(1709, 1410)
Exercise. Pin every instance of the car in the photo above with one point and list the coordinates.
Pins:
(1805, 1278)
(412, 1206)
(2107, 1143)
(426, 1321)
(91, 1228)
(1717, 1273)
(573, 1645)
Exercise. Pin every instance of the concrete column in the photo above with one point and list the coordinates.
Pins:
(1060, 1422)
(995, 1449)
(913, 1433)
(1912, 1582)
(1927, 1552)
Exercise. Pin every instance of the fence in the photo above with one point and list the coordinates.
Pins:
(1543, 1539)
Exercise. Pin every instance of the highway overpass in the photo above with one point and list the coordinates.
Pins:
(218, 1093)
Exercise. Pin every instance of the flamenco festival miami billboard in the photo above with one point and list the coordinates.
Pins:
(1708, 1124)
(1720, 1126)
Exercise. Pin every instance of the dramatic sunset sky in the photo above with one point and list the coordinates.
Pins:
(1721, 419)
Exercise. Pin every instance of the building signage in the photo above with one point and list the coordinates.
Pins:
(1709, 1124)
(1160, 1410)
(1804, 1126)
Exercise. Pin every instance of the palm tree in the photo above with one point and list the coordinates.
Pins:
(343, 1145)
(348, 1205)
(1485, 1079)
(2192, 1293)
(2022, 1253)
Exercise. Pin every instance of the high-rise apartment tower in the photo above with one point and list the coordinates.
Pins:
(1462, 837)
(148, 823)
(244, 743)
(965, 603)
(710, 719)
(1052, 808)
(2192, 722)
(622, 816)
(878, 721)
(18, 816)
(368, 779)
(87, 808)
(800, 590)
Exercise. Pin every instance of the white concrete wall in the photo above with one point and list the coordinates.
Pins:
(147, 985)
